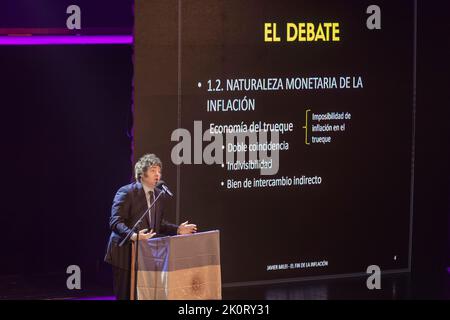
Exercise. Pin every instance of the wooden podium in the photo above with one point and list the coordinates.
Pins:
(183, 267)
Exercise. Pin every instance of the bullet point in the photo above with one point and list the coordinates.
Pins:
(222, 183)
(199, 84)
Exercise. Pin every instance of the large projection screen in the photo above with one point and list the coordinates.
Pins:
(313, 103)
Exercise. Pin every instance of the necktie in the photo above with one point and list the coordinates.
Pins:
(150, 193)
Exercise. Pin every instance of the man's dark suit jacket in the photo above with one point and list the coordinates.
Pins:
(128, 206)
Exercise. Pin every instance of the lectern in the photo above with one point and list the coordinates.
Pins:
(179, 267)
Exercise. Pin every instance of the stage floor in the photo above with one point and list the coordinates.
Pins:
(393, 287)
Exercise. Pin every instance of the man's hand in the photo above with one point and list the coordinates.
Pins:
(143, 235)
(186, 228)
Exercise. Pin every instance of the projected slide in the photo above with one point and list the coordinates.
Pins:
(286, 125)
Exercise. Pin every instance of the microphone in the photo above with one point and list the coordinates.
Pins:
(161, 185)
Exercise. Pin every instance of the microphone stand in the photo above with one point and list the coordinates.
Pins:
(130, 233)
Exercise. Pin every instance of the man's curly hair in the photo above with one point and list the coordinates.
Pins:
(145, 162)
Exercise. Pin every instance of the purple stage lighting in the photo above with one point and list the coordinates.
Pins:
(64, 40)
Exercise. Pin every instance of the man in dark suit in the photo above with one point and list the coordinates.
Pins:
(130, 202)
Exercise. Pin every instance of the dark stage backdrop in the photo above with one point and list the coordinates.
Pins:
(66, 148)
(97, 17)
(431, 250)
